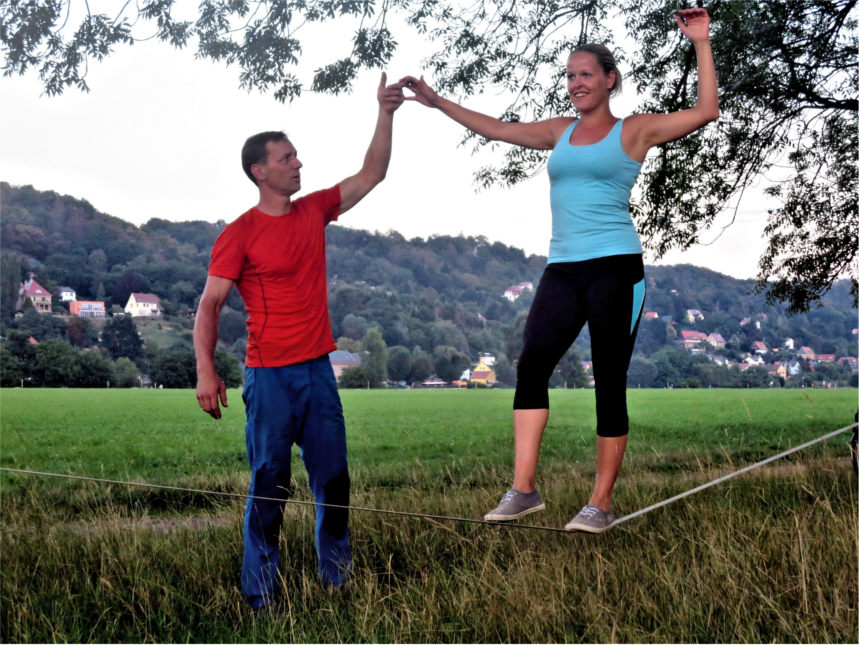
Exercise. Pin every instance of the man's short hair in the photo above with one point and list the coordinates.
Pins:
(255, 150)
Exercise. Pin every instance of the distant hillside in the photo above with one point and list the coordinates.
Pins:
(422, 294)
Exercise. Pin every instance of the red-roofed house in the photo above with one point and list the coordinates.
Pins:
(759, 347)
(850, 361)
(143, 304)
(36, 293)
(806, 352)
(483, 374)
(690, 339)
(825, 358)
(517, 290)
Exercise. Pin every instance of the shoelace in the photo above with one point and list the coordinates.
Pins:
(589, 511)
(510, 494)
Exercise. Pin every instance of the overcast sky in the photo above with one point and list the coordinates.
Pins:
(160, 133)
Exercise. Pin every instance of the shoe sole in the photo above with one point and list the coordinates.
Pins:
(585, 528)
(495, 517)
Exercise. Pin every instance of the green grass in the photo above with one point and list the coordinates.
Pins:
(770, 556)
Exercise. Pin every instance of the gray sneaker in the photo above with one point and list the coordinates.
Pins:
(514, 505)
(591, 519)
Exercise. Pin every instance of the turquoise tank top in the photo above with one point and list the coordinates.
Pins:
(590, 189)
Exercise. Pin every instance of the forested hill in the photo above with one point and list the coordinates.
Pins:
(442, 291)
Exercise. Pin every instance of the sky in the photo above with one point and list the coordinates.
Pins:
(160, 134)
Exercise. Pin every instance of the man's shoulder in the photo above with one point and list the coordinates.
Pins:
(240, 222)
(322, 198)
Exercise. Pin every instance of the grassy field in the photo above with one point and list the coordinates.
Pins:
(770, 556)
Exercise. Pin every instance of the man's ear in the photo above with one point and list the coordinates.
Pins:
(258, 172)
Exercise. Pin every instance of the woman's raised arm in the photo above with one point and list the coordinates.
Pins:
(540, 135)
(648, 130)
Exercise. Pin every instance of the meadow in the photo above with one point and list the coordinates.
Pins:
(770, 556)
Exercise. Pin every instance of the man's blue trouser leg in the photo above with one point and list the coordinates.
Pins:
(285, 405)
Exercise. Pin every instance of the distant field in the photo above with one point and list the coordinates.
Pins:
(769, 556)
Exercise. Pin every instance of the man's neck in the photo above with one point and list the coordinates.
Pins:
(274, 204)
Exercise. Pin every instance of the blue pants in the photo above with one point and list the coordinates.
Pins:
(286, 405)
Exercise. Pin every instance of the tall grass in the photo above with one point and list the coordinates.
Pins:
(767, 557)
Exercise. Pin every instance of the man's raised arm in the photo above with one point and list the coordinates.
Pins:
(354, 188)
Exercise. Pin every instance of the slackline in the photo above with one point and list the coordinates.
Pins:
(442, 518)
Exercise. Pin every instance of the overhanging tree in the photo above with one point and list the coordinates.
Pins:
(787, 70)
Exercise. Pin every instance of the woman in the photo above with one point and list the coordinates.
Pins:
(595, 272)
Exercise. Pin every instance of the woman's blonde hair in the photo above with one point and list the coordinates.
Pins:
(606, 60)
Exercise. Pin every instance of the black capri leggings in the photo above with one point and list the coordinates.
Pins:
(608, 294)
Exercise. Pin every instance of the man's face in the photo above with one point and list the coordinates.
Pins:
(281, 171)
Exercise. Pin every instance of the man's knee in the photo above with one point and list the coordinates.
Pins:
(336, 491)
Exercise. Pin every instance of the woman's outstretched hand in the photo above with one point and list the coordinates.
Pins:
(694, 24)
(423, 93)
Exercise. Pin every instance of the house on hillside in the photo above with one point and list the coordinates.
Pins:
(340, 360)
(67, 294)
(715, 339)
(777, 369)
(651, 315)
(36, 294)
(143, 304)
(483, 374)
(850, 362)
(825, 358)
(517, 290)
(691, 339)
(487, 359)
(759, 347)
(693, 314)
(87, 308)
(789, 343)
(749, 321)
(805, 352)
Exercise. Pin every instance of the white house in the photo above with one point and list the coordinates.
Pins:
(143, 304)
(517, 289)
(67, 294)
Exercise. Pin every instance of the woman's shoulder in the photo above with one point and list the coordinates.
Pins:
(560, 124)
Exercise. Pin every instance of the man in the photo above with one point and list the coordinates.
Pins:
(275, 255)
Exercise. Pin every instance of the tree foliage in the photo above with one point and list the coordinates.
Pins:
(788, 73)
(787, 69)
(121, 338)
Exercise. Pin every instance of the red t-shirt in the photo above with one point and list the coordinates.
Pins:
(278, 265)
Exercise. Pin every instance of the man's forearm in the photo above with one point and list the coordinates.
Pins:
(379, 153)
(206, 338)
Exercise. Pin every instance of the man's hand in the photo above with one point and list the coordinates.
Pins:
(210, 390)
(390, 96)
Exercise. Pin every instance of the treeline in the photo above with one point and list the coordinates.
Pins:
(39, 350)
(437, 303)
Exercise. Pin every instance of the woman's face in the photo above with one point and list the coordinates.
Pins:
(587, 84)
